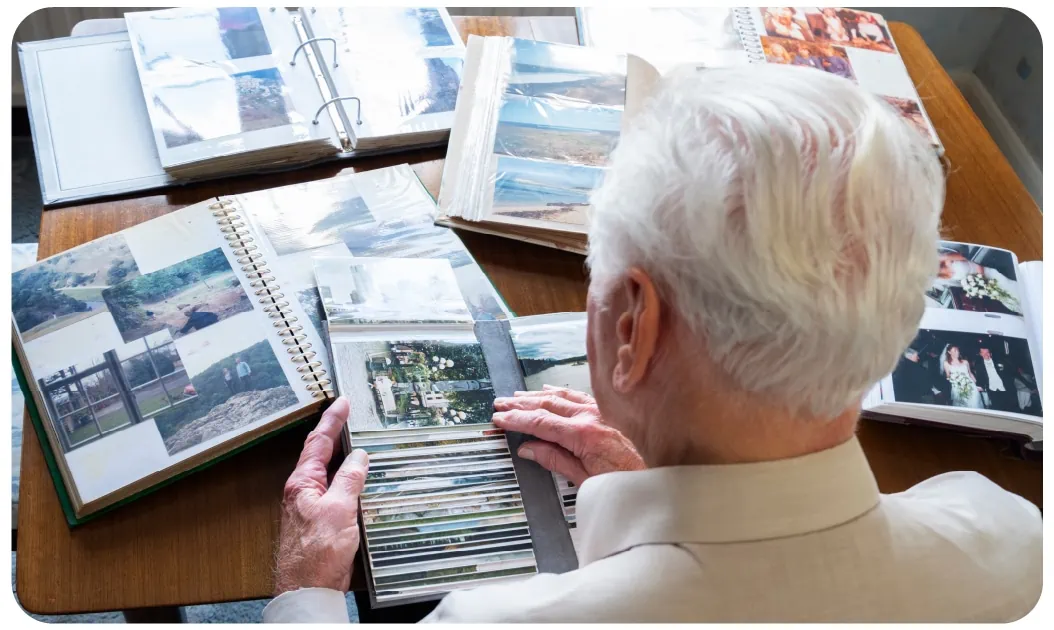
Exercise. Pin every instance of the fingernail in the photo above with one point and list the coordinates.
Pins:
(360, 457)
(498, 416)
(502, 400)
(526, 453)
(520, 393)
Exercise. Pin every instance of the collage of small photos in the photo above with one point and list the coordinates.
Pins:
(405, 64)
(209, 74)
(552, 351)
(972, 351)
(146, 349)
(374, 214)
(441, 508)
(558, 121)
(852, 44)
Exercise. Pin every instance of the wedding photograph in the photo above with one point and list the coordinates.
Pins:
(975, 278)
(819, 55)
(182, 298)
(67, 288)
(968, 370)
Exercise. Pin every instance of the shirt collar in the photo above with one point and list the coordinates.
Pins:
(724, 504)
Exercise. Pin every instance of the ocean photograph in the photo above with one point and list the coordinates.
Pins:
(544, 191)
(567, 73)
(545, 129)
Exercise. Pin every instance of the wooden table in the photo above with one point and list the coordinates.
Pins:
(210, 537)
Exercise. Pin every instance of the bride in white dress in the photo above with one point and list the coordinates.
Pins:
(955, 369)
(954, 267)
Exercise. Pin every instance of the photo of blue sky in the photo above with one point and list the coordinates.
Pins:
(540, 112)
(533, 183)
(568, 73)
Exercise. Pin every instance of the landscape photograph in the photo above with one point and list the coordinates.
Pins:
(68, 288)
(567, 73)
(402, 28)
(537, 190)
(262, 100)
(431, 86)
(237, 381)
(541, 129)
(410, 384)
(553, 354)
(290, 230)
(386, 290)
(182, 298)
(242, 32)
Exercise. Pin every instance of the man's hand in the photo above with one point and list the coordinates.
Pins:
(572, 437)
(320, 529)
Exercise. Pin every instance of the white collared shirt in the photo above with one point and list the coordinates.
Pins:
(803, 539)
(995, 384)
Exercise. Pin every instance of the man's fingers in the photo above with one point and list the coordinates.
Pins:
(540, 423)
(318, 448)
(573, 395)
(555, 404)
(554, 459)
(351, 477)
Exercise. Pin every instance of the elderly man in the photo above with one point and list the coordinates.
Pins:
(758, 251)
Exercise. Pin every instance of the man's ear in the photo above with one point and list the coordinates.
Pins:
(636, 330)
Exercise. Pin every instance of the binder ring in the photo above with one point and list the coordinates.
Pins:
(316, 39)
(288, 320)
(358, 110)
(289, 330)
(310, 367)
(295, 339)
(299, 349)
(274, 297)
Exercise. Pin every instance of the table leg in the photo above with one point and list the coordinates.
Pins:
(161, 614)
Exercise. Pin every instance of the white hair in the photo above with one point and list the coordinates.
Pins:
(789, 216)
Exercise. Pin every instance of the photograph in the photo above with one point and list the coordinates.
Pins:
(820, 55)
(423, 516)
(470, 528)
(430, 86)
(544, 191)
(382, 552)
(438, 460)
(290, 230)
(975, 278)
(456, 575)
(263, 102)
(483, 301)
(311, 302)
(543, 129)
(183, 298)
(447, 528)
(911, 111)
(242, 32)
(567, 74)
(447, 434)
(389, 290)
(969, 370)
(846, 27)
(409, 384)
(400, 28)
(463, 561)
(68, 288)
(414, 473)
(426, 485)
(381, 511)
(124, 386)
(492, 445)
(500, 487)
(237, 380)
(553, 354)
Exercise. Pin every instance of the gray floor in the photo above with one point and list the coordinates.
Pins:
(25, 227)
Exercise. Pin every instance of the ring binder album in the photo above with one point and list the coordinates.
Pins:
(743, 20)
(268, 293)
(316, 39)
(358, 110)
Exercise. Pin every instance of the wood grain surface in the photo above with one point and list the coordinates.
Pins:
(211, 537)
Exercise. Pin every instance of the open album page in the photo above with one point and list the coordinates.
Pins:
(442, 507)
(536, 123)
(218, 83)
(552, 351)
(150, 353)
(403, 64)
(856, 45)
(972, 352)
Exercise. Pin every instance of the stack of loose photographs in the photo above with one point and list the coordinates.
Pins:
(442, 508)
(552, 351)
(221, 93)
(977, 361)
(534, 127)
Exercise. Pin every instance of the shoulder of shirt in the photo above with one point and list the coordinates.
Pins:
(583, 595)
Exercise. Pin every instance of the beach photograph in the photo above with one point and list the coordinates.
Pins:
(237, 380)
(67, 288)
(552, 353)
(183, 298)
(543, 129)
(410, 384)
(567, 73)
(536, 190)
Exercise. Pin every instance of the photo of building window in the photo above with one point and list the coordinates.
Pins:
(122, 387)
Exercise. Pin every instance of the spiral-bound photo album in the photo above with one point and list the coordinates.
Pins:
(191, 94)
(156, 350)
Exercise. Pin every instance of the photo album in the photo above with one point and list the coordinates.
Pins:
(533, 129)
(977, 362)
(154, 351)
(856, 45)
(189, 94)
(447, 503)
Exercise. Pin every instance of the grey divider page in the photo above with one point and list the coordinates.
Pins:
(553, 550)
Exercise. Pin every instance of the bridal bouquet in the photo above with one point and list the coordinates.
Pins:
(977, 286)
(962, 386)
